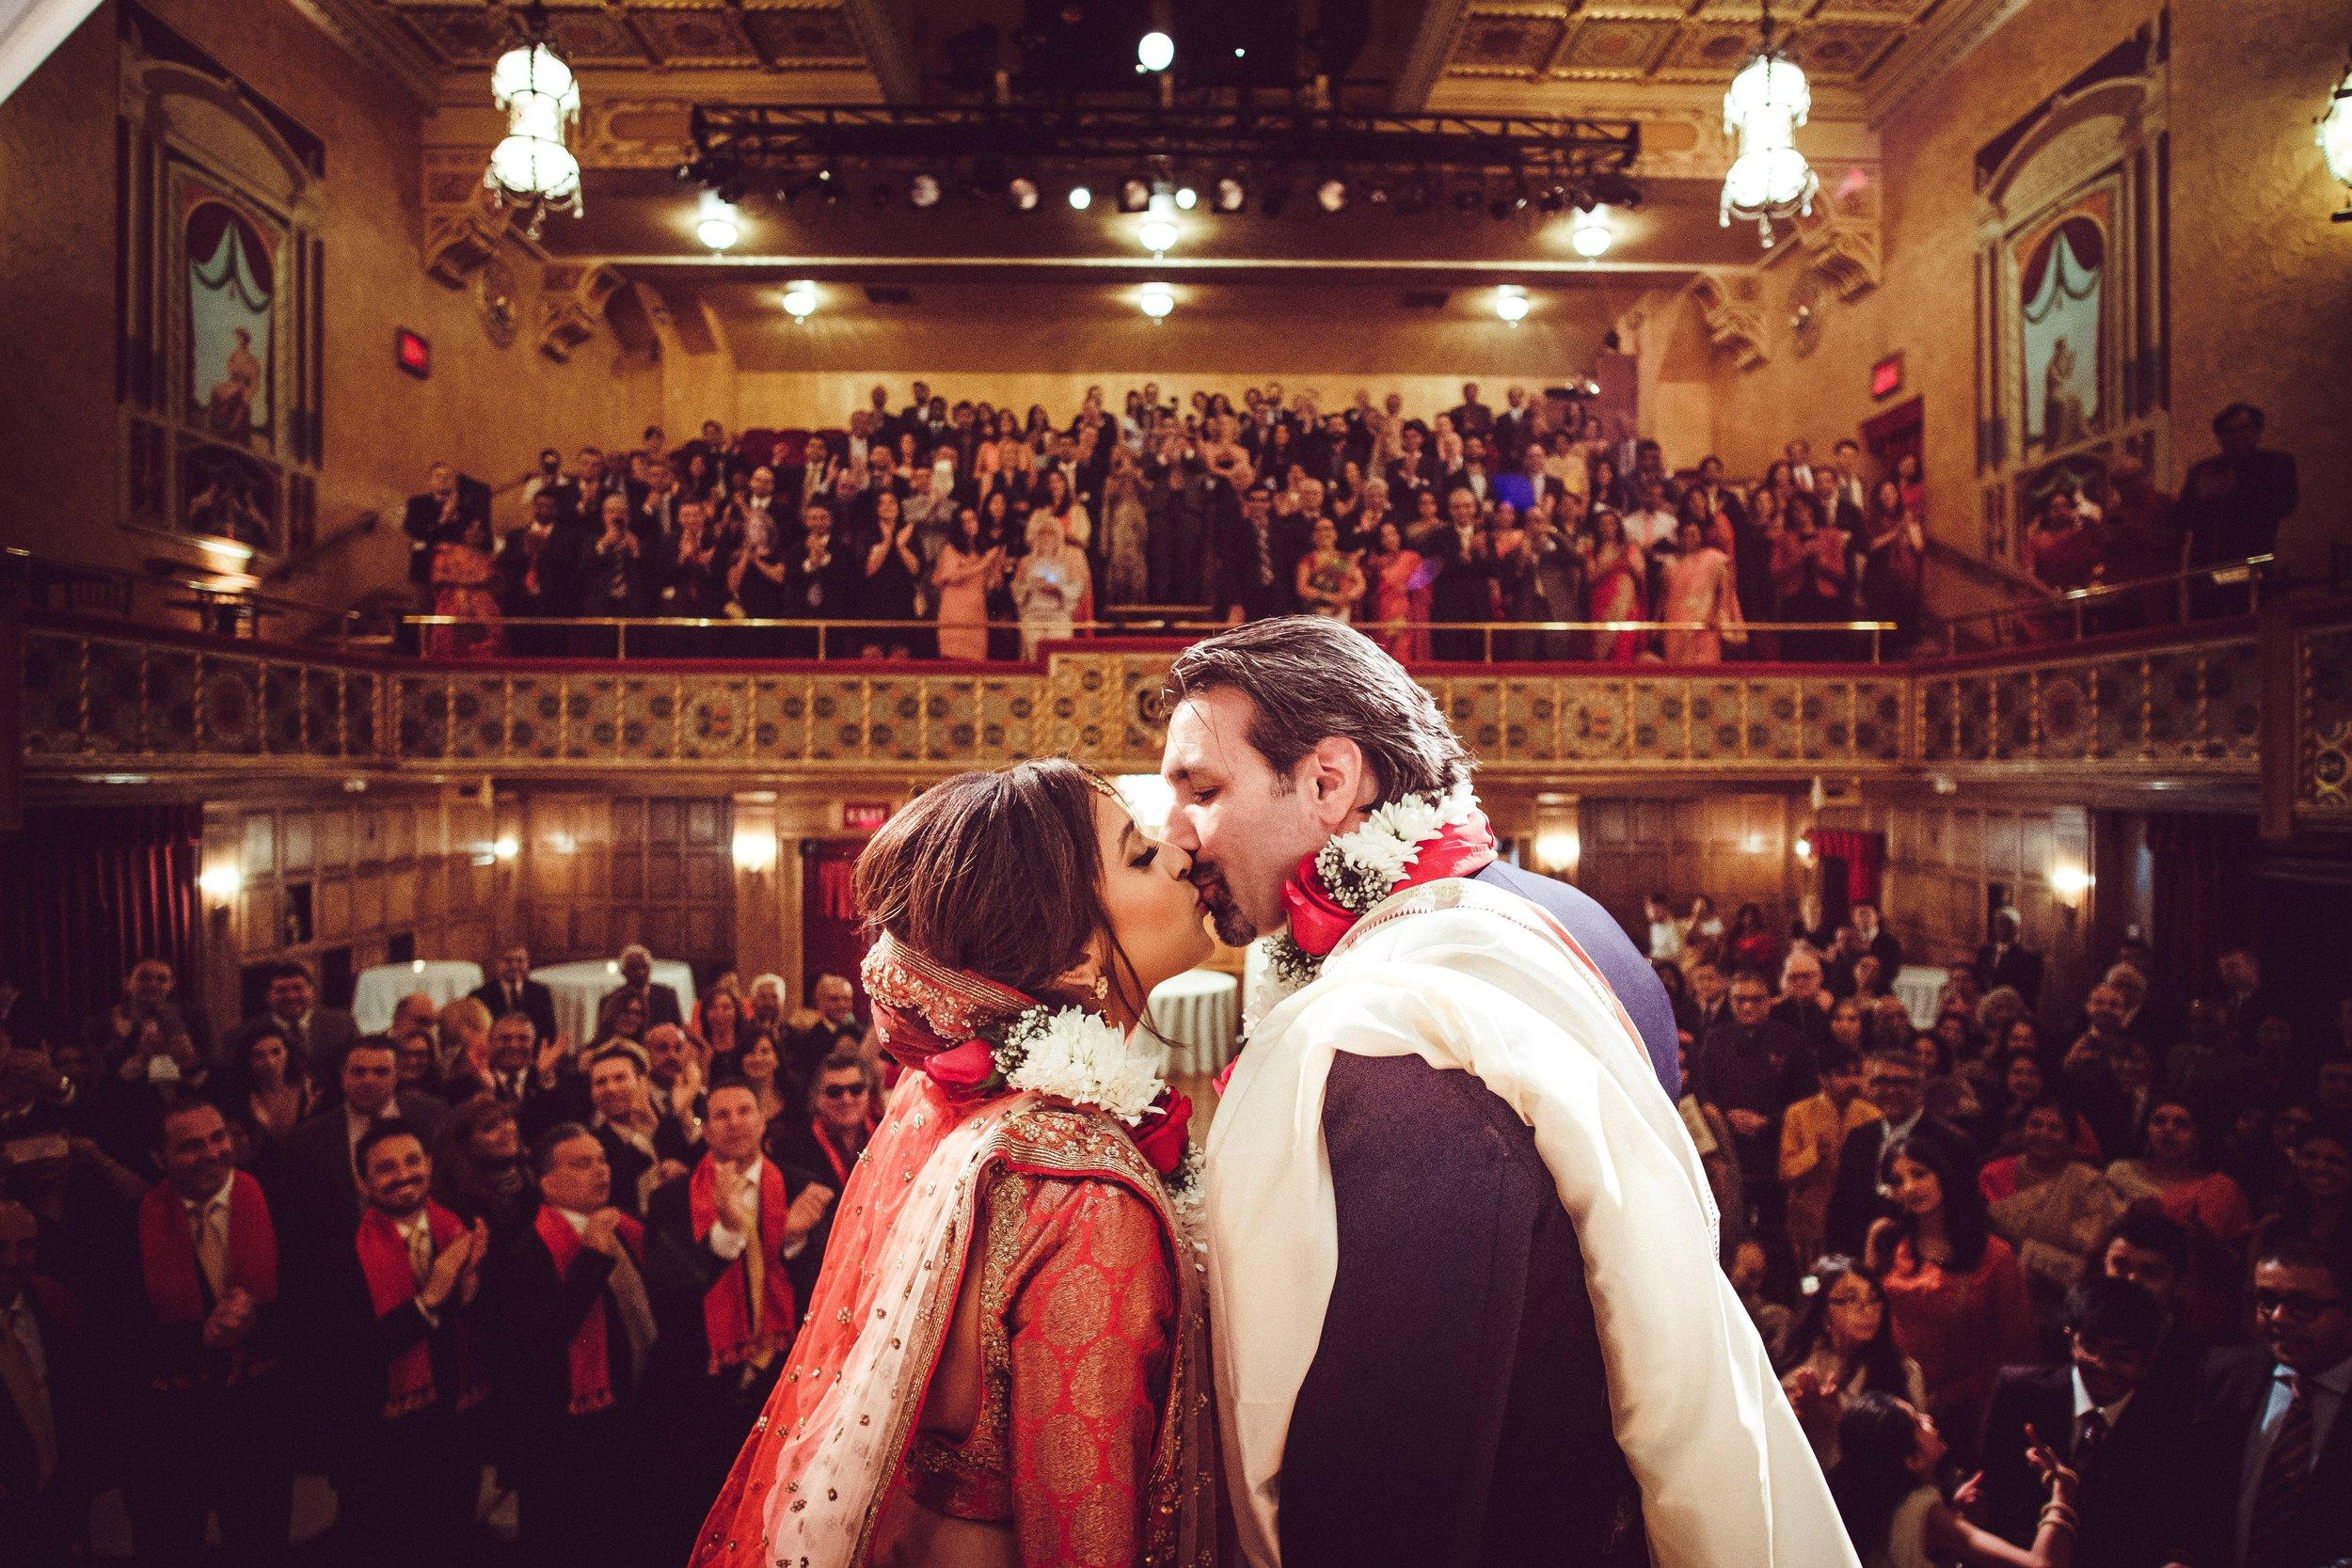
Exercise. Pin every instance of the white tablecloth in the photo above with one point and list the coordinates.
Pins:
(1199, 1012)
(1918, 985)
(579, 987)
(378, 990)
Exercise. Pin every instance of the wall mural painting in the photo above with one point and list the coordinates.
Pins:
(231, 284)
(2060, 268)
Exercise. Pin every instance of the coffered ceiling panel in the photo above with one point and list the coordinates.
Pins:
(1840, 41)
(748, 35)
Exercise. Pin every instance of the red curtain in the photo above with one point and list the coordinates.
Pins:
(86, 892)
(1865, 855)
(2203, 893)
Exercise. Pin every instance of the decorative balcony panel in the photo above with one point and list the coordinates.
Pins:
(2190, 708)
(2323, 726)
(106, 699)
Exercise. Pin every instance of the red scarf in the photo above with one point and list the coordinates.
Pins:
(175, 1281)
(726, 1306)
(1318, 920)
(841, 1168)
(392, 1284)
(591, 1365)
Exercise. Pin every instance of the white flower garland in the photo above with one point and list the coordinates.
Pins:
(1365, 864)
(1085, 1058)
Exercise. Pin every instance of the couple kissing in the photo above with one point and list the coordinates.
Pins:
(1443, 1288)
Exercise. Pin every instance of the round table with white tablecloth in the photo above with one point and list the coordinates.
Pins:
(1199, 1012)
(378, 990)
(579, 987)
(1918, 985)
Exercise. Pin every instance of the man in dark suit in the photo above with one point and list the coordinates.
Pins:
(1514, 428)
(644, 1148)
(2256, 489)
(1753, 1069)
(511, 989)
(316, 1034)
(2004, 959)
(572, 1328)
(1804, 999)
(1880, 943)
(405, 1367)
(1471, 416)
(1249, 584)
(662, 1005)
(2126, 1439)
(1891, 1080)
(45, 1401)
(2271, 1423)
(729, 1228)
(314, 1178)
(440, 513)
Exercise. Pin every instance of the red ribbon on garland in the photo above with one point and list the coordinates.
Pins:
(1318, 920)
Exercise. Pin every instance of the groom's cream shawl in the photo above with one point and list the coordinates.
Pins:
(1466, 976)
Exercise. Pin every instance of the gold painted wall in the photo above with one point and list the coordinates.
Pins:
(2260, 298)
(485, 408)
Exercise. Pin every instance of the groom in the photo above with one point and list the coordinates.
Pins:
(1455, 1405)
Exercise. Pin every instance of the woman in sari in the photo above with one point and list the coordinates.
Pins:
(1329, 582)
(1698, 588)
(462, 570)
(1006, 1359)
(1617, 572)
(1394, 571)
(2049, 1206)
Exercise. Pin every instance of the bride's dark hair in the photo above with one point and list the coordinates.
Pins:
(999, 873)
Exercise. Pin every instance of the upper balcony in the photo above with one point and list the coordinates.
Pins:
(2197, 707)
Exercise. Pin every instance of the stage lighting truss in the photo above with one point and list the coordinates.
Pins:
(1230, 160)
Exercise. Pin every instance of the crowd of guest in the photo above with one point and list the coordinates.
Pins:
(395, 1259)
(2116, 527)
(966, 531)
(2100, 1254)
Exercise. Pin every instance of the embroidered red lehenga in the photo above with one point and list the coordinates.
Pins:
(1006, 1358)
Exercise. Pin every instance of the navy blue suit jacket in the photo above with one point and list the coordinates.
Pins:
(1596, 930)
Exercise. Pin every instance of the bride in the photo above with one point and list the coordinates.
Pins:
(1005, 1360)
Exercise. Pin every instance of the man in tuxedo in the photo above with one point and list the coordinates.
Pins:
(511, 989)
(660, 1000)
(2004, 959)
(537, 1077)
(320, 1035)
(1892, 1081)
(1514, 428)
(442, 513)
(718, 1245)
(2126, 1437)
(1250, 581)
(314, 1177)
(204, 1353)
(1471, 416)
(406, 1364)
(572, 1328)
(1845, 462)
(45, 1401)
(2271, 1424)
(644, 1147)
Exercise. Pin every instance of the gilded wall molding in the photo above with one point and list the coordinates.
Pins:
(1734, 321)
(572, 306)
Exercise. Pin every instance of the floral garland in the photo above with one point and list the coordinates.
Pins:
(1082, 1057)
(1359, 868)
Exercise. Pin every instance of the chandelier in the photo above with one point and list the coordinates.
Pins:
(1768, 101)
(532, 169)
(2335, 138)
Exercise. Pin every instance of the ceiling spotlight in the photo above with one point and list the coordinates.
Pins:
(1511, 303)
(1156, 300)
(1080, 197)
(1187, 197)
(1230, 195)
(1154, 52)
(923, 190)
(1591, 234)
(1135, 193)
(1158, 230)
(1332, 194)
(800, 299)
(716, 226)
(1022, 194)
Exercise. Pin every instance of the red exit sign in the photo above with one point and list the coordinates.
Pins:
(864, 816)
(413, 353)
(1887, 377)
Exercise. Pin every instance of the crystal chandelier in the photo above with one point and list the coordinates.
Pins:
(532, 169)
(1768, 101)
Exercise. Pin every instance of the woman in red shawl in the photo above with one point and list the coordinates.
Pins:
(1005, 1360)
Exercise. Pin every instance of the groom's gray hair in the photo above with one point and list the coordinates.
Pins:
(1309, 679)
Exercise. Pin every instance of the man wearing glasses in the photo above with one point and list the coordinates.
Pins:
(2270, 1415)
(819, 1151)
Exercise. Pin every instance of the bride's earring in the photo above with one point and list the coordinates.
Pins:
(1101, 986)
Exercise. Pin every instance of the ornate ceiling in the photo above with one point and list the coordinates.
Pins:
(746, 35)
(1838, 42)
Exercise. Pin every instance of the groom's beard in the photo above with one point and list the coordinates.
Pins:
(1234, 928)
